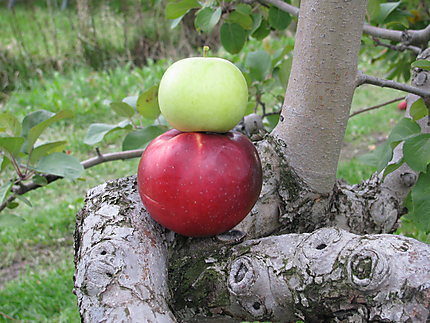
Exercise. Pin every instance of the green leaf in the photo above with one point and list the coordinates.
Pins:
(418, 110)
(233, 37)
(147, 103)
(131, 100)
(416, 152)
(272, 120)
(60, 164)
(256, 22)
(10, 123)
(283, 71)
(243, 8)
(373, 9)
(207, 18)
(179, 8)
(262, 31)
(33, 119)
(40, 180)
(386, 9)
(141, 138)
(4, 162)
(392, 167)
(404, 129)
(9, 220)
(379, 158)
(12, 205)
(421, 202)
(279, 19)
(423, 64)
(37, 130)
(46, 149)
(97, 131)
(122, 109)
(25, 200)
(259, 64)
(244, 20)
(4, 191)
(12, 145)
(175, 22)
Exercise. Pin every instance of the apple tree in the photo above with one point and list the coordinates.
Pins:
(313, 248)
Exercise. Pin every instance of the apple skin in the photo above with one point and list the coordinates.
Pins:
(199, 184)
(203, 94)
(402, 105)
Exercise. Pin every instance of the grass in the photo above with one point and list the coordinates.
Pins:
(44, 295)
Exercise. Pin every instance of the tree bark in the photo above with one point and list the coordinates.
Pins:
(324, 67)
(329, 275)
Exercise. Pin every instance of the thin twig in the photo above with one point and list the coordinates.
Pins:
(399, 48)
(367, 79)
(410, 37)
(99, 159)
(377, 106)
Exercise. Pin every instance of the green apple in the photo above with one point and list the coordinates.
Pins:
(203, 94)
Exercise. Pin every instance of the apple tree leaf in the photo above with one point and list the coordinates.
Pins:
(416, 152)
(279, 19)
(4, 191)
(141, 138)
(12, 145)
(392, 167)
(207, 18)
(259, 64)
(233, 37)
(242, 19)
(373, 9)
(131, 100)
(147, 103)
(176, 9)
(122, 109)
(386, 9)
(403, 130)
(418, 110)
(420, 213)
(423, 64)
(34, 118)
(10, 123)
(36, 131)
(283, 71)
(262, 30)
(378, 158)
(97, 131)
(46, 149)
(60, 164)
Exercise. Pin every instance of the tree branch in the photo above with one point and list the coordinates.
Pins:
(376, 106)
(99, 159)
(410, 37)
(367, 79)
(400, 48)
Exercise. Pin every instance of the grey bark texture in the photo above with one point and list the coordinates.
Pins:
(329, 275)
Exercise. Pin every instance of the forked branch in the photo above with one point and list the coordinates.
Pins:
(409, 37)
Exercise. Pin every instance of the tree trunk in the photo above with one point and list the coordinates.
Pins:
(329, 275)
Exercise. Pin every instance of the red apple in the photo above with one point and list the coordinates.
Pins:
(199, 184)
(402, 105)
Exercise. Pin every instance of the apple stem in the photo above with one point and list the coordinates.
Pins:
(205, 51)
